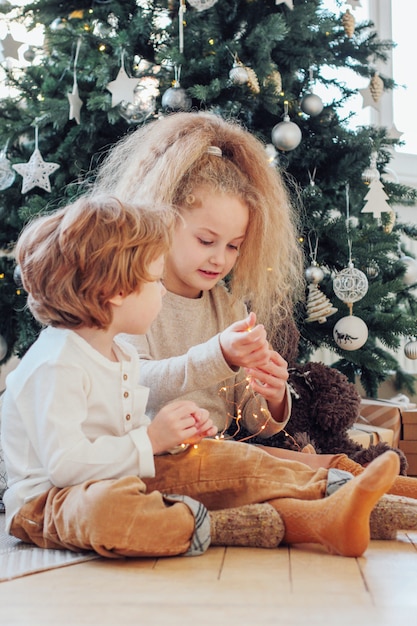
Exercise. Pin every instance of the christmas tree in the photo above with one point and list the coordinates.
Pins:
(107, 66)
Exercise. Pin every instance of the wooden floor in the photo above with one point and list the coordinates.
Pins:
(295, 586)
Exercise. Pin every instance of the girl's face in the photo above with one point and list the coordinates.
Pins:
(206, 245)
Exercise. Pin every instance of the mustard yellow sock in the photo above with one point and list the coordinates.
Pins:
(341, 521)
(403, 485)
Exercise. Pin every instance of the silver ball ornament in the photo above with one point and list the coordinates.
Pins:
(410, 276)
(29, 54)
(314, 274)
(3, 347)
(239, 74)
(57, 24)
(7, 173)
(286, 135)
(350, 333)
(372, 270)
(410, 349)
(17, 276)
(176, 99)
(311, 105)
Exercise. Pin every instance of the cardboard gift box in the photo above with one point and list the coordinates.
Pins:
(382, 414)
(410, 450)
(409, 420)
(369, 435)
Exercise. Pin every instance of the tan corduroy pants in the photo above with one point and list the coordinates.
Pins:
(130, 517)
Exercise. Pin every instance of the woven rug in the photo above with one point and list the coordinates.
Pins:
(20, 559)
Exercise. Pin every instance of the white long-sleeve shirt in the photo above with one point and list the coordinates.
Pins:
(181, 356)
(69, 415)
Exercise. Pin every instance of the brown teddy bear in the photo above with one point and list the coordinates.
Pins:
(324, 406)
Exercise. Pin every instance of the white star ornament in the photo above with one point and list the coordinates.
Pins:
(122, 88)
(36, 172)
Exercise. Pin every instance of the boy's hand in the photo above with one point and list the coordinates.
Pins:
(181, 421)
(244, 343)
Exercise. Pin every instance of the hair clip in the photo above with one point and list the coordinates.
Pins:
(215, 150)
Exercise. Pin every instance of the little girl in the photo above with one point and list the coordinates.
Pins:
(218, 176)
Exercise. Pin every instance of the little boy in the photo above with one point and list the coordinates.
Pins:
(87, 469)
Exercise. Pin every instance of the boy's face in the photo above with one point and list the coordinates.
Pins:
(206, 247)
(140, 308)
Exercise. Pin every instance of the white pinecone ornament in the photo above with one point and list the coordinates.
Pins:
(319, 307)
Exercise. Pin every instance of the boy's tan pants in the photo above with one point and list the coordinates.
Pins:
(130, 517)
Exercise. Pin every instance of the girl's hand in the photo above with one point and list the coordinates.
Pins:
(181, 421)
(244, 343)
(204, 425)
(270, 382)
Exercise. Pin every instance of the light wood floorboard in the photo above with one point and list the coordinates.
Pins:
(295, 586)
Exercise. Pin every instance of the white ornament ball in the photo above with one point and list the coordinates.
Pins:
(314, 274)
(176, 99)
(372, 270)
(350, 333)
(202, 5)
(3, 347)
(17, 276)
(410, 349)
(350, 285)
(286, 135)
(239, 74)
(311, 104)
(7, 174)
(410, 276)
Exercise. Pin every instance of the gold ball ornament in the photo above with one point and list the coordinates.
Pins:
(350, 333)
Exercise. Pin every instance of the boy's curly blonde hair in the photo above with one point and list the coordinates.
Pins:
(169, 158)
(73, 261)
